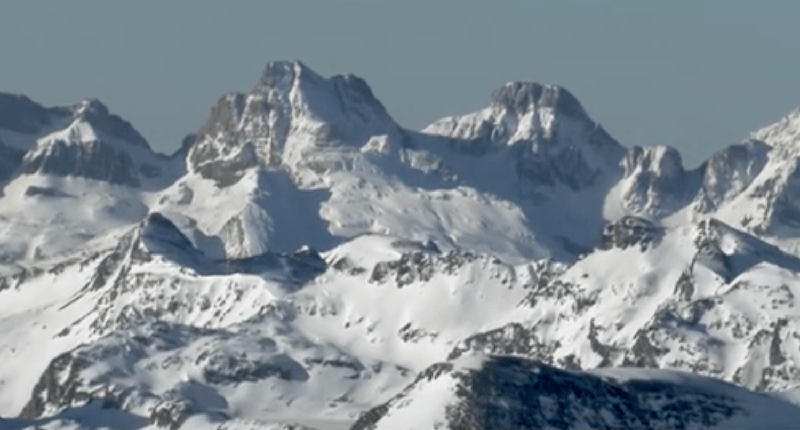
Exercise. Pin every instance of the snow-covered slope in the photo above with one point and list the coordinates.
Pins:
(705, 298)
(328, 338)
(501, 180)
(83, 140)
(512, 393)
(305, 262)
(69, 174)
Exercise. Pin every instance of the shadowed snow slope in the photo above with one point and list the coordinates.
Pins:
(499, 392)
(303, 262)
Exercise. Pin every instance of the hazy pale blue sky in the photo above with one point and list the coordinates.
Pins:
(696, 75)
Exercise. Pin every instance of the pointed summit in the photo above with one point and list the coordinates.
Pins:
(529, 112)
(83, 139)
(89, 107)
(528, 96)
(97, 115)
(283, 74)
(86, 140)
(326, 99)
(291, 113)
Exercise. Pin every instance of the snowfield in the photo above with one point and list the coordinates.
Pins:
(303, 262)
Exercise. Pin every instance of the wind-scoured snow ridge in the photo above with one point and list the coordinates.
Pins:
(304, 262)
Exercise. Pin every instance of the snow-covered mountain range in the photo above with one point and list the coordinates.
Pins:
(303, 261)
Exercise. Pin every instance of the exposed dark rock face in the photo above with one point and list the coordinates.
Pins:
(566, 166)
(92, 160)
(729, 172)
(228, 171)
(98, 115)
(223, 368)
(513, 339)
(631, 231)
(248, 130)
(421, 266)
(411, 267)
(63, 385)
(644, 353)
(656, 182)
(345, 265)
(159, 234)
(750, 250)
(96, 158)
(301, 265)
(545, 134)
(171, 414)
(10, 159)
(60, 386)
(22, 115)
(565, 398)
(525, 96)
(515, 393)
(33, 191)
(684, 288)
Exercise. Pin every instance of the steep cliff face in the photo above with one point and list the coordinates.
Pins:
(512, 161)
(83, 140)
(95, 145)
(302, 259)
(655, 181)
(510, 392)
(291, 113)
(553, 140)
(766, 171)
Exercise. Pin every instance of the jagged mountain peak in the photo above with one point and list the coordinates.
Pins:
(310, 93)
(97, 115)
(277, 71)
(530, 112)
(83, 139)
(87, 107)
(291, 112)
(94, 145)
(524, 96)
(785, 132)
(21, 115)
(158, 229)
(661, 159)
(193, 292)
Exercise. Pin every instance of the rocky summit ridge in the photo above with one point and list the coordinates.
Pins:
(305, 262)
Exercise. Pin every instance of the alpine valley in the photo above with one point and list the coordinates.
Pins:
(304, 262)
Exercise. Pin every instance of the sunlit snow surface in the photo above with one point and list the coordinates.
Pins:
(305, 261)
